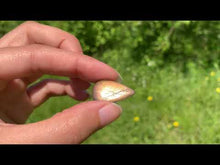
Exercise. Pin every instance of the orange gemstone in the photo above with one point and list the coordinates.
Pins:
(111, 91)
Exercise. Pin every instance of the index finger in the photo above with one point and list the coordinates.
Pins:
(17, 62)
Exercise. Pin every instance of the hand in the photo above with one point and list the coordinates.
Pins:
(32, 50)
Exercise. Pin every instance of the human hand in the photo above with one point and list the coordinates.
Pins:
(27, 53)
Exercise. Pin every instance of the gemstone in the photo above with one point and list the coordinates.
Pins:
(111, 91)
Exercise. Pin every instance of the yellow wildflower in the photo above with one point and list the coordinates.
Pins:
(149, 98)
(212, 73)
(176, 124)
(218, 79)
(136, 119)
(218, 90)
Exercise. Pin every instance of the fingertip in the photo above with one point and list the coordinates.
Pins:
(94, 70)
(109, 113)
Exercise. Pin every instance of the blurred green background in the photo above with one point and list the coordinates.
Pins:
(172, 65)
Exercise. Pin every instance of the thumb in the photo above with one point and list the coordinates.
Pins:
(70, 126)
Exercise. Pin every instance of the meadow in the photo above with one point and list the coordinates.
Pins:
(175, 75)
(167, 108)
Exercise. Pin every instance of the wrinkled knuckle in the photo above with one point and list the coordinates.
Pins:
(32, 52)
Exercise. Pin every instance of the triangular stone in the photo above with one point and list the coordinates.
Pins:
(111, 91)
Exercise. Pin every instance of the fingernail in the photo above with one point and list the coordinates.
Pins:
(109, 113)
(119, 79)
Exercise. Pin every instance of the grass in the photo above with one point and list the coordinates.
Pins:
(190, 99)
(193, 103)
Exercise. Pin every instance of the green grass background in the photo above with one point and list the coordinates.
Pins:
(172, 67)
(191, 100)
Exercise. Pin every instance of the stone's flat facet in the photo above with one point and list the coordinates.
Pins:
(111, 91)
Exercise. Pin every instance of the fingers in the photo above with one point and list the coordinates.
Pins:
(71, 126)
(31, 32)
(35, 33)
(80, 84)
(24, 61)
(41, 91)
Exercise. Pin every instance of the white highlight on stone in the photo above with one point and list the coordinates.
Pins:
(111, 91)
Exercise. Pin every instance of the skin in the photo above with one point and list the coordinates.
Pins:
(28, 52)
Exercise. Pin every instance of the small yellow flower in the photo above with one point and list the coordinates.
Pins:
(218, 79)
(176, 124)
(149, 98)
(212, 73)
(218, 90)
(136, 119)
